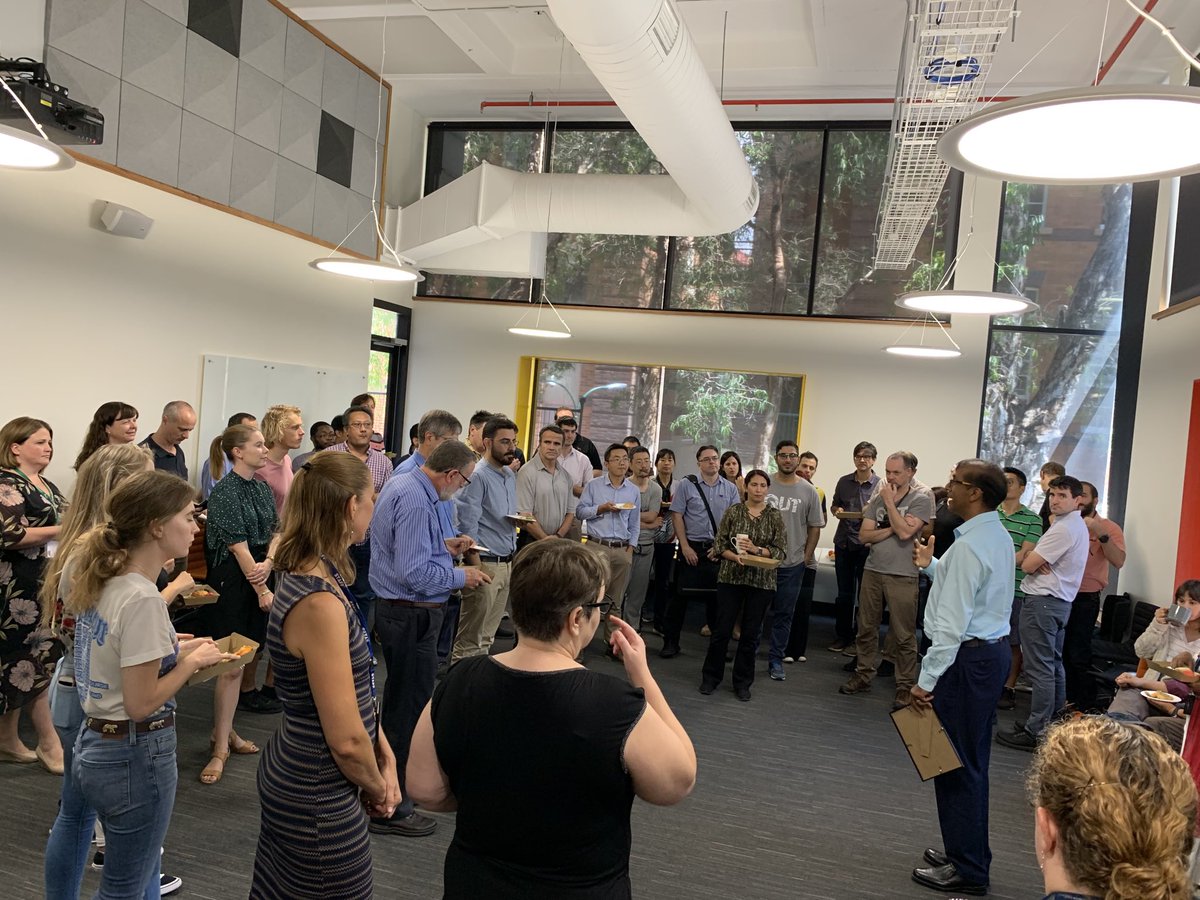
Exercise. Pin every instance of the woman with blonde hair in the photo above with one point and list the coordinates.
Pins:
(239, 530)
(113, 423)
(130, 663)
(329, 765)
(1116, 813)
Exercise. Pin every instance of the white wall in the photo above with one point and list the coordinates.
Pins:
(87, 317)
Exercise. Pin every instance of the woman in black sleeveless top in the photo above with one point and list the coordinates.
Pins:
(541, 757)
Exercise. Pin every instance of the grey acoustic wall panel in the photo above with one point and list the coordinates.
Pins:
(230, 100)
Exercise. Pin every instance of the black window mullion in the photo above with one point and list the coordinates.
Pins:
(816, 247)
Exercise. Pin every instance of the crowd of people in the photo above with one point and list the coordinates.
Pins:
(329, 561)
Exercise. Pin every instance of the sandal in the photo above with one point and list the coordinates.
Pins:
(210, 774)
(241, 746)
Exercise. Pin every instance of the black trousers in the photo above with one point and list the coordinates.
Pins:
(1077, 650)
(753, 603)
(798, 640)
(848, 563)
(690, 579)
(965, 700)
(660, 584)
(408, 642)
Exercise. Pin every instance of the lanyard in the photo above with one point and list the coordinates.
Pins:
(48, 495)
(362, 620)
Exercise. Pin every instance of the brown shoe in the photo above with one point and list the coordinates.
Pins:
(858, 684)
(903, 699)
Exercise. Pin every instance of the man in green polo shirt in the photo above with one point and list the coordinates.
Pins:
(1025, 526)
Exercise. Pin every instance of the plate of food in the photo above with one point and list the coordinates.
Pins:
(521, 519)
(1161, 697)
(623, 505)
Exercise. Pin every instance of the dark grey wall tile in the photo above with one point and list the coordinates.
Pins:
(220, 21)
(335, 149)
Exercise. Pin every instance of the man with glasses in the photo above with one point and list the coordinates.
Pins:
(963, 673)
(850, 496)
(891, 521)
(611, 507)
(413, 574)
(697, 507)
(800, 505)
(483, 508)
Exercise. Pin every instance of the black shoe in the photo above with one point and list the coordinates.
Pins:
(935, 858)
(1017, 740)
(946, 878)
(98, 860)
(887, 668)
(706, 688)
(413, 825)
(742, 694)
(255, 702)
(1008, 699)
(669, 651)
(851, 666)
(268, 691)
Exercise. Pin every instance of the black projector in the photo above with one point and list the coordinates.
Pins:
(65, 121)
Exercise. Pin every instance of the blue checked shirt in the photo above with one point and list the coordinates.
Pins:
(409, 559)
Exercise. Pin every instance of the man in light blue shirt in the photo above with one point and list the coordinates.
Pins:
(611, 506)
(963, 672)
(482, 509)
(412, 575)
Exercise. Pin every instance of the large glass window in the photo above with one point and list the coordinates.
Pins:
(781, 262)
(677, 408)
(1051, 373)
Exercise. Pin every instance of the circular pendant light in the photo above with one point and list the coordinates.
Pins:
(539, 332)
(1089, 135)
(30, 153)
(982, 303)
(921, 351)
(366, 269)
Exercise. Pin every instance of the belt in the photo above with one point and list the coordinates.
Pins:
(607, 543)
(495, 559)
(981, 642)
(414, 604)
(120, 728)
(694, 544)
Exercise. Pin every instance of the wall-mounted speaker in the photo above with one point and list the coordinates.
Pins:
(125, 222)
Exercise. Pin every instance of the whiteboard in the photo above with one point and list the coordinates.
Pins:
(232, 384)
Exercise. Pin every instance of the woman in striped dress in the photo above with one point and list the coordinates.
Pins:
(329, 758)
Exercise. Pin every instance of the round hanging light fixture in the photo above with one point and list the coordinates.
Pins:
(1088, 135)
(982, 303)
(366, 269)
(921, 351)
(30, 153)
(539, 332)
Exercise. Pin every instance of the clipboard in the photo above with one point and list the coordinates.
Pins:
(1164, 668)
(926, 742)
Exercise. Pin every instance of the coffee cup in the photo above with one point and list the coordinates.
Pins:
(739, 540)
(1178, 614)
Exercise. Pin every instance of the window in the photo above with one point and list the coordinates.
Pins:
(386, 370)
(1051, 373)
(677, 408)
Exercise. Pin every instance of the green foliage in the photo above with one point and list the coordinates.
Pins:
(717, 400)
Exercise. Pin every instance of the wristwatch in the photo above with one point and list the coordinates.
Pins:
(1103, 539)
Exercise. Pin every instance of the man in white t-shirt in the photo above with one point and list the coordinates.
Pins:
(1053, 572)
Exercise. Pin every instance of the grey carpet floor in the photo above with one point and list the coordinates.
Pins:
(801, 793)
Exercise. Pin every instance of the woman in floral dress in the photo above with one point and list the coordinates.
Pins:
(30, 511)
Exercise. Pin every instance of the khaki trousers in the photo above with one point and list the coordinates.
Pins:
(619, 563)
(899, 592)
(481, 612)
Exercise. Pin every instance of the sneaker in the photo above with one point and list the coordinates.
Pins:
(169, 884)
(706, 688)
(1008, 699)
(789, 660)
(837, 646)
(851, 650)
(255, 702)
(413, 825)
(98, 860)
(1017, 740)
(742, 694)
(776, 672)
(801, 659)
(859, 684)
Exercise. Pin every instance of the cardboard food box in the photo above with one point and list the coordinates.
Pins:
(762, 562)
(228, 645)
(201, 595)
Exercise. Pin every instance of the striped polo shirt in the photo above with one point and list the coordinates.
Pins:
(1023, 525)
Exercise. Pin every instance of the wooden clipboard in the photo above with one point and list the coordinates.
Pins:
(926, 742)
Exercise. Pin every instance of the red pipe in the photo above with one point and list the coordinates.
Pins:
(804, 101)
(1133, 29)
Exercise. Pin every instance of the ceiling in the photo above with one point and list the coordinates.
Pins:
(444, 58)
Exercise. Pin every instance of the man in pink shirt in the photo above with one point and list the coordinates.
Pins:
(283, 431)
(1106, 547)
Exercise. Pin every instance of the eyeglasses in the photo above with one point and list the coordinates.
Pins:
(787, 455)
(863, 456)
(968, 484)
(708, 459)
(364, 425)
(459, 473)
(605, 606)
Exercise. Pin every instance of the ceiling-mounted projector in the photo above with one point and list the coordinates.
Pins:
(65, 121)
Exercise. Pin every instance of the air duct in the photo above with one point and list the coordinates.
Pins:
(643, 55)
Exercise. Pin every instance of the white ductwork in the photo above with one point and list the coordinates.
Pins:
(643, 55)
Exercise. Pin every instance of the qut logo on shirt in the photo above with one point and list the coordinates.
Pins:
(784, 504)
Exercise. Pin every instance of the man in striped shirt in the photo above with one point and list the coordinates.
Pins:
(1025, 527)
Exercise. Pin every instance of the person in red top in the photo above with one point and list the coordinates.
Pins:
(1106, 547)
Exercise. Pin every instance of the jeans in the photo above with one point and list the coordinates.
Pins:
(71, 836)
(848, 564)
(364, 597)
(1043, 628)
(130, 782)
(1077, 650)
(787, 590)
(408, 638)
(797, 644)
